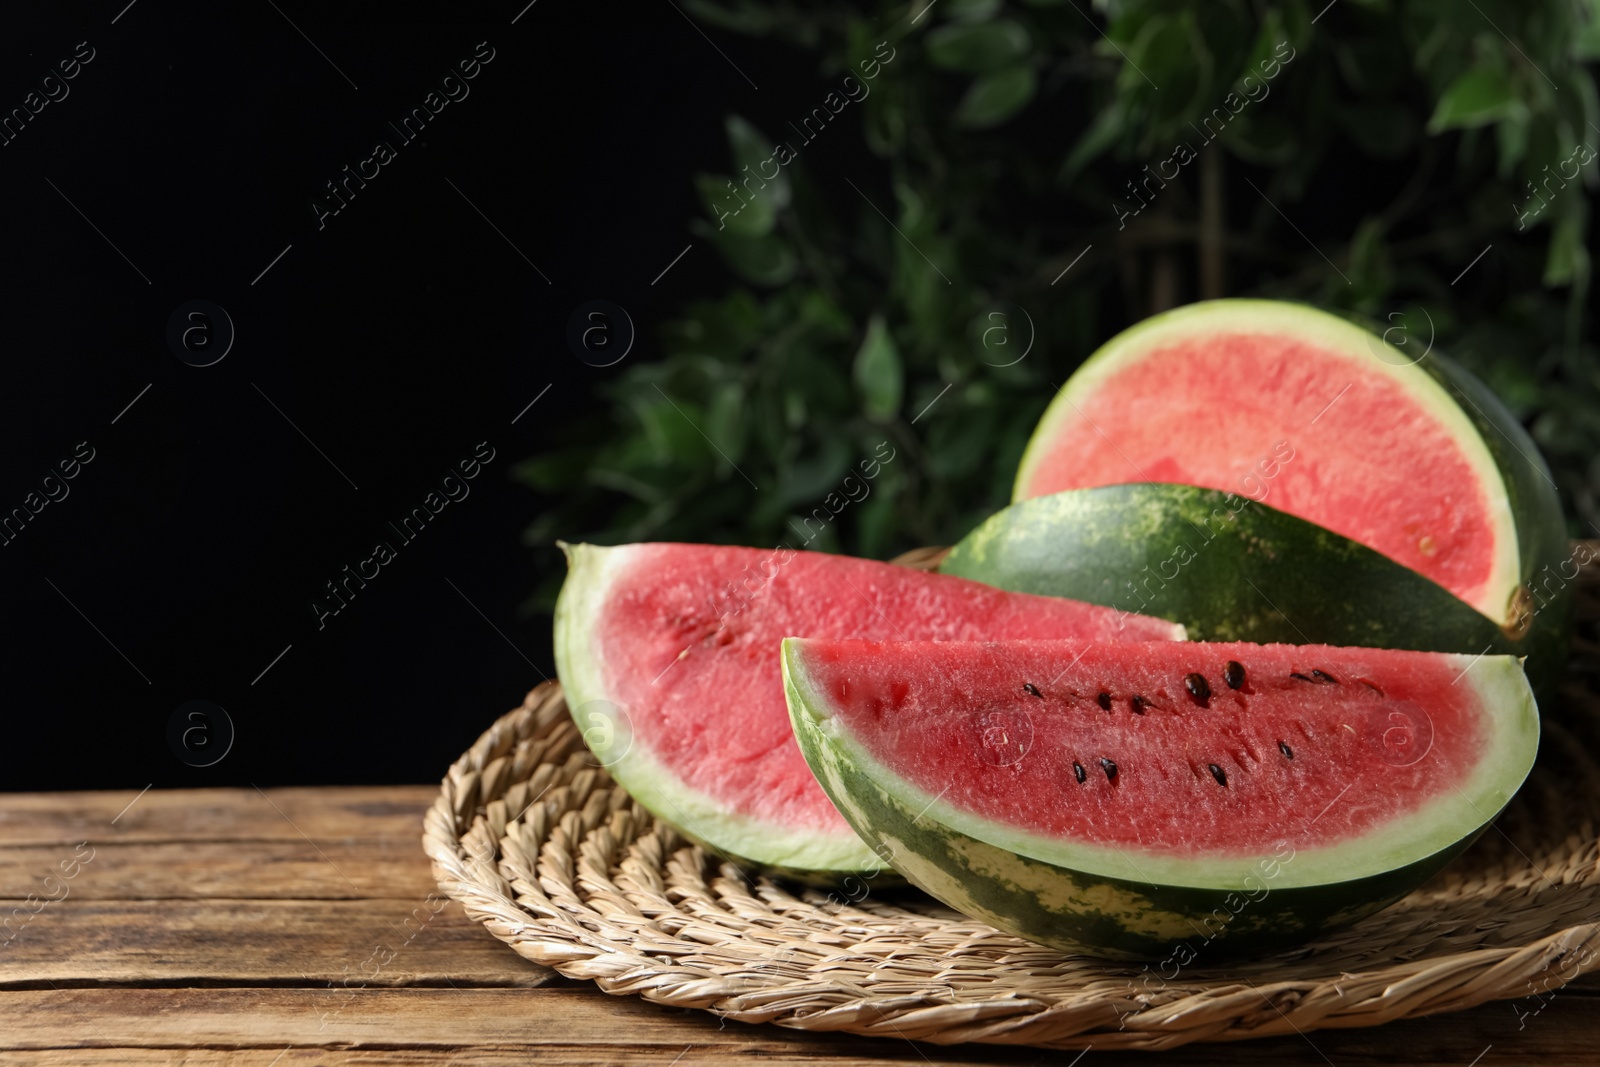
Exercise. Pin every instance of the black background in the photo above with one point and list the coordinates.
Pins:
(396, 338)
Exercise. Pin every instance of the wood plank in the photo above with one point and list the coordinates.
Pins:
(329, 869)
(215, 814)
(858, 1055)
(853, 1053)
(411, 941)
(858, 1052)
(573, 1025)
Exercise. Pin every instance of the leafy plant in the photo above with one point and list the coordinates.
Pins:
(1025, 210)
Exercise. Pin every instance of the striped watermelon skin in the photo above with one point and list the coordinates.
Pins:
(1233, 569)
(1100, 916)
(1083, 911)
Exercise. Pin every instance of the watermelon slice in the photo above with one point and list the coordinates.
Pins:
(1231, 569)
(1319, 418)
(669, 659)
(1123, 799)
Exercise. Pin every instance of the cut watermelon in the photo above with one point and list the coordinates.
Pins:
(1121, 799)
(1230, 569)
(669, 659)
(1303, 410)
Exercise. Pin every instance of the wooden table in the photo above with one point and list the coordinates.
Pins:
(302, 926)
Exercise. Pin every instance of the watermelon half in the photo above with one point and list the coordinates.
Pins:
(1125, 800)
(1300, 409)
(669, 660)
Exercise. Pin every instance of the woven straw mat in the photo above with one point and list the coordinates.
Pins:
(542, 847)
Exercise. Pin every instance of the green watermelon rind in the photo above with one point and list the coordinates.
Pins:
(1523, 504)
(1232, 569)
(802, 854)
(1136, 904)
(1535, 505)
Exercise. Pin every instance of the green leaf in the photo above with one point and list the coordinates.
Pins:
(994, 98)
(725, 420)
(1586, 43)
(1511, 136)
(768, 260)
(807, 481)
(1263, 139)
(825, 385)
(878, 373)
(1298, 26)
(1567, 259)
(1264, 63)
(733, 209)
(794, 410)
(549, 472)
(1161, 57)
(977, 49)
(884, 118)
(1368, 265)
(1480, 96)
(670, 428)
(1103, 131)
(817, 309)
(754, 157)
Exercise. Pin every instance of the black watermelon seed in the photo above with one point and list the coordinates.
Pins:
(1233, 674)
(1078, 772)
(1302, 677)
(1218, 774)
(1110, 767)
(1284, 748)
(1105, 701)
(1198, 687)
(1324, 677)
(1032, 690)
(1138, 704)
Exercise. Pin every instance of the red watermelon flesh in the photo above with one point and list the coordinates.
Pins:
(1151, 746)
(1298, 410)
(684, 640)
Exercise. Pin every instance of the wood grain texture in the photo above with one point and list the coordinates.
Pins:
(349, 869)
(577, 1025)
(373, 812)
(419, 941)
(228, 927)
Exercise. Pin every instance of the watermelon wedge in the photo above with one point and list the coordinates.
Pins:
(1230, 569)
(669, 659)
(1127, 799)
(1300, 409)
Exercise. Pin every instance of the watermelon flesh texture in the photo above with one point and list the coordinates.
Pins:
(1301, 410)
(676, 648)
(1112, 798)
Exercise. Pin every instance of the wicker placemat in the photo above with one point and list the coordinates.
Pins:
(539, 844)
